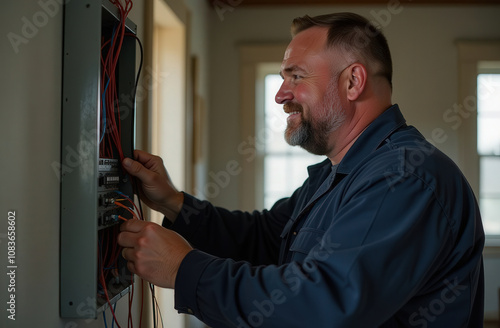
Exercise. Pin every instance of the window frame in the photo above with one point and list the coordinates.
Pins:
(253, 56)
(470, 54)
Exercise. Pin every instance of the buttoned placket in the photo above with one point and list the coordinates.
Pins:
(293, 226)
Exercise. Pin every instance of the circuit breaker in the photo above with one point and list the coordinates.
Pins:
(96, 193)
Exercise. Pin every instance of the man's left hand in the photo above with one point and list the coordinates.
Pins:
(153, 252)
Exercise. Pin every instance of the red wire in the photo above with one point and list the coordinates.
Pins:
(112, 137)
(104, 286)
(142, 302)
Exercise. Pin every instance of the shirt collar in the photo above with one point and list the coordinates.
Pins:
(373, 136)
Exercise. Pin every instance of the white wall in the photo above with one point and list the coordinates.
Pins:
(425, 75)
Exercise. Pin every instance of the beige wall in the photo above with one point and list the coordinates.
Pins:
(30, 88)
(422, 40)
(30, 128)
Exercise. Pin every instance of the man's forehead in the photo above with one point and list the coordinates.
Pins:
(287, 53)
(308, 42)
(311, 38)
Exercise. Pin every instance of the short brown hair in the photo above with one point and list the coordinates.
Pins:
(353, 33)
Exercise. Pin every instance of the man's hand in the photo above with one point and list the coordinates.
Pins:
(153, 252)
(155, 187)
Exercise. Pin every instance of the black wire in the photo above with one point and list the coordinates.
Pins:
(135, 180)
(135, 185)
(140, 65)
(152, 288)
(134, 94)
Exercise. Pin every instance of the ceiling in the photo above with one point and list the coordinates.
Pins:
(248, 3)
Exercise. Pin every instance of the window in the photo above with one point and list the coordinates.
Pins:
(488, 144)
(478, 133)
(256, 62)
(285, 167)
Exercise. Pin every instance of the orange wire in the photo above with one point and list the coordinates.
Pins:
(128, 209)
(133, 203)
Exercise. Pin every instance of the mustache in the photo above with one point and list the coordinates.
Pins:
(292, 107)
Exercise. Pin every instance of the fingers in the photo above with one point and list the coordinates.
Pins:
(146, 166)
(136, 169)
(150, 161)
(152, 252)
(129, 234)
(127, 254)
(133, 225)
(142, 156)
(131, 267)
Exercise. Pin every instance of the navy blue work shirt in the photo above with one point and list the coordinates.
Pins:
(389, 237)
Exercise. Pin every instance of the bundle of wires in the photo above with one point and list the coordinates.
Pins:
(110, 147)
(109, 252)
(111, 128)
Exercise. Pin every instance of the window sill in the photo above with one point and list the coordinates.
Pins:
(492, 247)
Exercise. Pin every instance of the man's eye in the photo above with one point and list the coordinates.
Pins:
(296, 77)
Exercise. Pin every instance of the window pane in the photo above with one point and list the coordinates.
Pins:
(488, 147)
(275, 174)
(274, 116)
(490, 175)
(285, 167)
(283, 173)
(488, 114)
(489, 193)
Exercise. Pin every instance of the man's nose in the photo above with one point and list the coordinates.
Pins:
(284, 94)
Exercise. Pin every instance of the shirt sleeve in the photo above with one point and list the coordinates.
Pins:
(355, 275)
(253, 237)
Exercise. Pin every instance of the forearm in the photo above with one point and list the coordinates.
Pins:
(253, 237)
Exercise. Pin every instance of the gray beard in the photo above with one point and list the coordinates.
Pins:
(315, 139)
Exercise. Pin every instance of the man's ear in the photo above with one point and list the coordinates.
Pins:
(357, 76)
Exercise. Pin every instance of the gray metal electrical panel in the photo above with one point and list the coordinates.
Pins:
(90, 182)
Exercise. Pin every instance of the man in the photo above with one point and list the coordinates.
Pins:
(386, 232)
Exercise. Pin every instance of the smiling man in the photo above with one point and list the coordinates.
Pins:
(320, 120)
(385, 232)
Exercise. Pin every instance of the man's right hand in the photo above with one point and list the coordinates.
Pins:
(155, 186)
